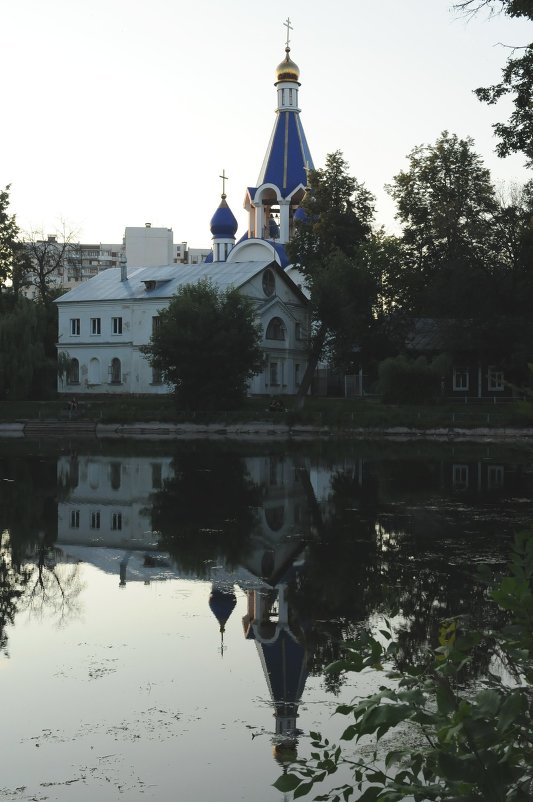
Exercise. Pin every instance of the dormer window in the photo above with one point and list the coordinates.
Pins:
(150, 285)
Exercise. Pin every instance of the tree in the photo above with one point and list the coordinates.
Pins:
(207, 346)
(9, 244)
(446, 203)
(456, 742)
(25, 369)
(516, 135)
(338, 213)
(47, 258)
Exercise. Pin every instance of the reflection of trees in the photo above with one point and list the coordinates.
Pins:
(30, 579)
(13, 581)
(206, 512)
(28, 501)
(52, 587)
(372, 558)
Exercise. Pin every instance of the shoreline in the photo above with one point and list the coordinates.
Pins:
(257, 430)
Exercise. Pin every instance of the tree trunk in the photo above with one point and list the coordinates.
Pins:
(317, 345)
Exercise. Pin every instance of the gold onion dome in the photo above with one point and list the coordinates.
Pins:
(287, 70)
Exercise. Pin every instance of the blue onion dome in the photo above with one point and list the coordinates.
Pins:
(287, 70)
(222, 604)
(223, 223)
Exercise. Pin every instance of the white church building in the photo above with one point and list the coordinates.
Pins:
(104, 322)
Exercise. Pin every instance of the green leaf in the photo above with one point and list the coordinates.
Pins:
(488, 703)
(287, 782)
(303, 789)
(513, 706)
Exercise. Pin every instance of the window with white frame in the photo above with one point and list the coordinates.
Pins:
(274, 374)
(495, 474)
(495, 379)
(460, 476)
(75, 326)
(297, 378)
(115, 371)
(275, 329)
(460, 379)
(73, 371)
(96, 327)
(95, 519)
(74, 519)
(116, 521)
(116, 325)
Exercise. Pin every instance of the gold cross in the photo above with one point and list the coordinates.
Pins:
(289, 27)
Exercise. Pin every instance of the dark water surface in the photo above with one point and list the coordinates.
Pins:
(167, 610)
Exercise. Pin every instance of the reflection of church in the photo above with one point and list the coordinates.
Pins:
(104, 519)
(269, 575)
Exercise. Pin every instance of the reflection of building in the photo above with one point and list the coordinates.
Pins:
(107, 499)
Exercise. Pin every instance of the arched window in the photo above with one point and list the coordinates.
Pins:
(275, 329)
(74, 372)
(94, 371)
(116, 371)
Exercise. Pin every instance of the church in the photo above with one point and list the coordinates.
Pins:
(104, 322)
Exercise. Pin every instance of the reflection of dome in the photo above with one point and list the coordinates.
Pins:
(223, 223)
(287, 70)
(222, 604)
(286, 751)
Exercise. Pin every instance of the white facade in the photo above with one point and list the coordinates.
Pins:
(104, 322)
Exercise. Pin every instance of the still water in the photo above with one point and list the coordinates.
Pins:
(167, 610)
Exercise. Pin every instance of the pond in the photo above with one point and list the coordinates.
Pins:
(167, 610)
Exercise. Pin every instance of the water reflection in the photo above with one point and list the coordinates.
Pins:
(313, 547)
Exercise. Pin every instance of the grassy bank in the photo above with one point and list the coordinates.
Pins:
(328, 412)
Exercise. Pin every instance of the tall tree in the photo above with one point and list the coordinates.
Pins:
(446, 203)
(8, 241)
(207, 346)
(338, 214)
(515, 135)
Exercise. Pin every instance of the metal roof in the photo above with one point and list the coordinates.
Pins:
(287, 155)
(107, 286)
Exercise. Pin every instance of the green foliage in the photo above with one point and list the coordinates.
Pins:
(207, 346)
(515, 135)
(8, 241)
(456, 742)
(326, 248)
(25, 368)
(445, 202)
(403, 380)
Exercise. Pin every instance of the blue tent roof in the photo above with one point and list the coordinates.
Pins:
(287, 154)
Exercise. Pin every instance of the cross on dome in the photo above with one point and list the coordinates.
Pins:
(289, 27)
(224, 178)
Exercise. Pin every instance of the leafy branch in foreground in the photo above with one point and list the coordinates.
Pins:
(454, 742)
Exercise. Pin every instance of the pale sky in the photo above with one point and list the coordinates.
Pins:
(123, 112)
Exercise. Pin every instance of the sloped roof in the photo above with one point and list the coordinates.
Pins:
(428, 334)
(107, 286)
(287, 155)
